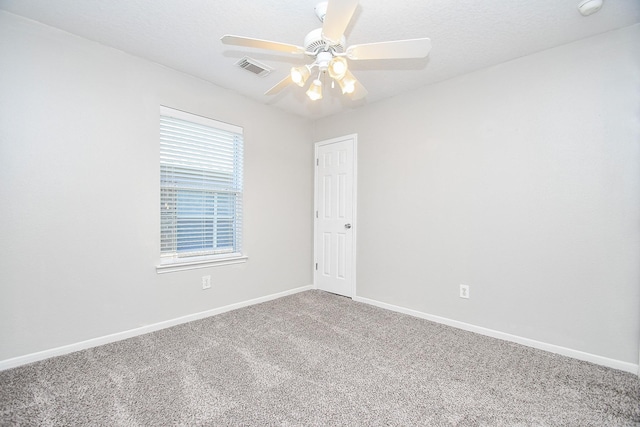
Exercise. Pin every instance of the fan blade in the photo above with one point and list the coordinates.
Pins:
(401, 49)
(339, 13)
(261, 44)
(279, 86)
(360, 91)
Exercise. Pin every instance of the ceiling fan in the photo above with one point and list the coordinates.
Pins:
(328, 49)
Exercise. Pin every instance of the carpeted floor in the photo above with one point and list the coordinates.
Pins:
(314, 358)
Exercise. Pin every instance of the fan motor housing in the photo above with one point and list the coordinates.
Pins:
(314, 42)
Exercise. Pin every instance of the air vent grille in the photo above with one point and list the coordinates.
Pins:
(254, 66)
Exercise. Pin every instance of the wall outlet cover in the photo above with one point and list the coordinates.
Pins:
(464, 291)
(206, 282)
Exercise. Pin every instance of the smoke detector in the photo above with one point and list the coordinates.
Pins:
(589, 7)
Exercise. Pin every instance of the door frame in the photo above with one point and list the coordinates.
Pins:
(354, 223)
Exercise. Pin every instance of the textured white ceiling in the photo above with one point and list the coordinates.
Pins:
(466, 35)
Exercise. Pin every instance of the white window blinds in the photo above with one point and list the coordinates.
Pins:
(200, 186)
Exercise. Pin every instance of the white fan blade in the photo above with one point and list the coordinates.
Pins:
(261, 44)
(360, 91)
(339, 13)
(279, 86)
(400, 49)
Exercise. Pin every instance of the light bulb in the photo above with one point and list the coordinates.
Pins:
(315, 90)
(337, 67)
(347, 84)
(299, 75)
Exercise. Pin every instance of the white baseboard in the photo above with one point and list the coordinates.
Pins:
(94, 342)
(576, 354)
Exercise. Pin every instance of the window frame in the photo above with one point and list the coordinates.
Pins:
(171, 263)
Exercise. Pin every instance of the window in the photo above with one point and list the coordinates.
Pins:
(200, 191)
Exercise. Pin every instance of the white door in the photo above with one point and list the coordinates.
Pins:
(335, 227)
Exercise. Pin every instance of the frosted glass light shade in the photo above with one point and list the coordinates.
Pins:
(299, 75)
(347, 84)
(338, 67)
(315, 90)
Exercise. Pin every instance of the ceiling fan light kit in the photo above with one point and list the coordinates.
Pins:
(326, 45)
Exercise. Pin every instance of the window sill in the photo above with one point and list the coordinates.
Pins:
(198, 262)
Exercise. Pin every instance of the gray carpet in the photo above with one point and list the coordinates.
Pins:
(316, 359)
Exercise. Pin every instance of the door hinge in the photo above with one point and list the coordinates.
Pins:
(316, 265)
(317, 162)
(316, 214)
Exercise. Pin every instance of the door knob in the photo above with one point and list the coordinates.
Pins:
(347, 226)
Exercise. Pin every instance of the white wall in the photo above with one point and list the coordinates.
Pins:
(522, 181)
(79, 167)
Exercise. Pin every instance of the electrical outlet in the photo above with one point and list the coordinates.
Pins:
(206, 282)
(464, 291)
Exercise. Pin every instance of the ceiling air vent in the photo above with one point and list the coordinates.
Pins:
(254, 66)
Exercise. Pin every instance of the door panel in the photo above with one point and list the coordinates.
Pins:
(334, 222)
